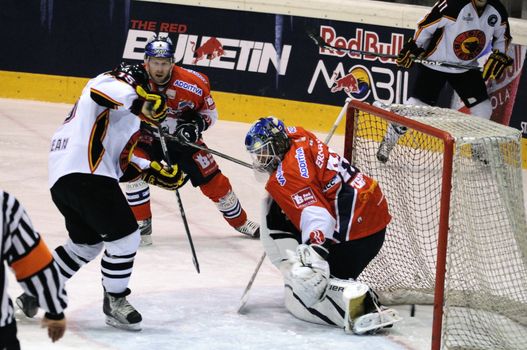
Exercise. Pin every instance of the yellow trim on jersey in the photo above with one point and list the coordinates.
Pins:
(94, 165)
(36, 260)
(420, 28)
(106, 97)
(436, 44)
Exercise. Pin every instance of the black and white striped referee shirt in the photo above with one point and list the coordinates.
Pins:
(27, 254)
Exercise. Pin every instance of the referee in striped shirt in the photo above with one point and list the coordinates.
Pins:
(28, 256)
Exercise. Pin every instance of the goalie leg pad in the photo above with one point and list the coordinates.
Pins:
(363, 313)
(328, 311)
(309, 274)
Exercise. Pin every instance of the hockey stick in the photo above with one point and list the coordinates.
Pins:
(211, 151)
(322, 44)
(245, 295)
(180, 203)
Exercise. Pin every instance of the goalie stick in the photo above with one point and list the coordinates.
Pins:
(180, 203)
(322, 44)
(245, 295)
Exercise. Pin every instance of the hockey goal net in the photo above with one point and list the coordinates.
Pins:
(458, 237)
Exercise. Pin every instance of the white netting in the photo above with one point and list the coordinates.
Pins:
(486, 278)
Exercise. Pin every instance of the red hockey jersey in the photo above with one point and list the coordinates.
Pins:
(187, 89)
(319, 190)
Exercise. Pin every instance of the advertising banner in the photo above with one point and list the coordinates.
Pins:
(249, 53)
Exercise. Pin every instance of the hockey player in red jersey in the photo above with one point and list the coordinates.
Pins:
(191, 111)
(456, 31)
(323, 222)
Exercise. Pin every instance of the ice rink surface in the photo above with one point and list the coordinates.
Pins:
(181, 309)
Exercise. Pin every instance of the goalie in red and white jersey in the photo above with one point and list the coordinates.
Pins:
(460, 32)
(322, 225)
(191, 111)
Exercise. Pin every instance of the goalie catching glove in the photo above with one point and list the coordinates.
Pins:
(309, 274)
(408, 54)
(495, 65)
(169, 178)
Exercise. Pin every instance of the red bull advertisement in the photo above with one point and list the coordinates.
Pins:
(259, 54)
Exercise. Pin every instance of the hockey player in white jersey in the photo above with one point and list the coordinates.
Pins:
(90, 153)
(455, 31)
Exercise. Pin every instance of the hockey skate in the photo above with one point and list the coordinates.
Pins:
(120, 313)
(145, 227)
(249, 228)
(383, 153)
(393, 133)
(363, 313)
(478, 154)
(28, 304)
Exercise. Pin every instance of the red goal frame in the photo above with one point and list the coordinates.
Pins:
(446, 187)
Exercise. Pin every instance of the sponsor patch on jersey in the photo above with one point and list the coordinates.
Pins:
(302, 164)
(304, 198)
(492, 20)
(205, 162)
(189, 87)
(358, 182)
(335, 180)
(196, 74)
(209, 102)
(280, 175)
(468, 45)
(291, 129)
(320, 155)
(468, 18)
(171, 93)
(184, 104)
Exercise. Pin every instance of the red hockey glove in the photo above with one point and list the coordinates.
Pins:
(408, 54)
(495, 65)
(168, 178)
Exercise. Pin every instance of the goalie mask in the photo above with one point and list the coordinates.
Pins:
(267, 142)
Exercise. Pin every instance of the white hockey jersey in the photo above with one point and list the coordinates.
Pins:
(95, 139)
(454, 32)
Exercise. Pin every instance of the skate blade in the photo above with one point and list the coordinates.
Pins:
(375, 321)
(133, 327)
(146, 240)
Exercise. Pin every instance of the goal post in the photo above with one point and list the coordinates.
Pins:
(458, 236)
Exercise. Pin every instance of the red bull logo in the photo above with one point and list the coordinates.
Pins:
(356, 83)
(211, 49)
(348, 83)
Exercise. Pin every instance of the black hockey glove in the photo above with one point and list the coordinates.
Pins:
(165, 177)
(495, 65)
(190, 127)
(408, 54)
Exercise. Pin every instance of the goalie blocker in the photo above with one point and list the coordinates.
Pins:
(311, 293)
